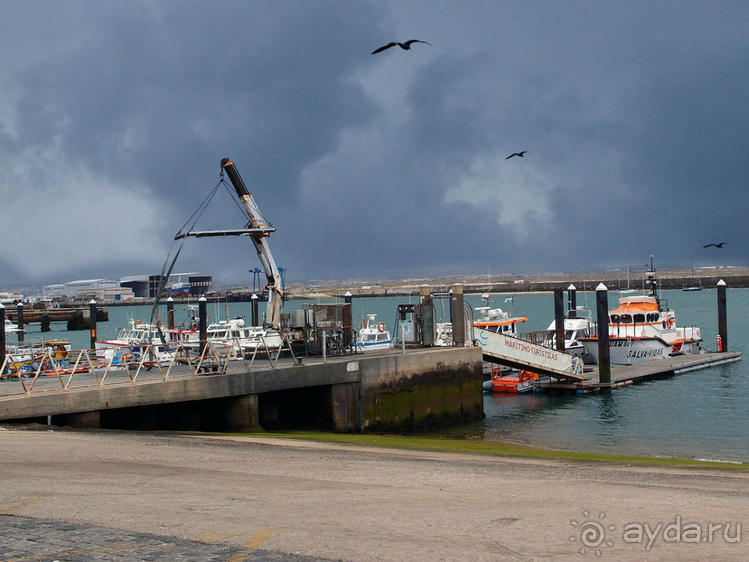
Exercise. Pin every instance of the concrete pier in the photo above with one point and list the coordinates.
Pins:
(378, 392)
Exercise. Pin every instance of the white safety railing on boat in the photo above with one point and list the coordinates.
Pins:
(107, 366)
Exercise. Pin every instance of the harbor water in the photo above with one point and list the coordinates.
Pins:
(701, 415)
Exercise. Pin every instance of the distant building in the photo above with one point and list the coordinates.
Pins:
(179, 284)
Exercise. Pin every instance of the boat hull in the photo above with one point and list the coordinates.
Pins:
(630, 351)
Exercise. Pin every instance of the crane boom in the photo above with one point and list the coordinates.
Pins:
(260, 240)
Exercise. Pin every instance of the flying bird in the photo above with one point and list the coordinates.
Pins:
(521, 154)
(405, 46)
(718, 245)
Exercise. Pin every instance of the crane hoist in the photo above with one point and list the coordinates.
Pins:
(258, 229)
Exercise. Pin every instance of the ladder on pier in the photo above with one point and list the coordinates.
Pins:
(530, 356)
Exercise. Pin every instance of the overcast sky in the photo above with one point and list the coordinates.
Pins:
(114, 117)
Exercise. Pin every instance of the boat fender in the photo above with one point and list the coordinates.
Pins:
(381, 326)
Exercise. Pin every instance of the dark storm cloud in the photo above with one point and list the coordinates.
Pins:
(635, 116)
(157, 93)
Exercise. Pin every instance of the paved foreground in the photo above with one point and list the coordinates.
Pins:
(113, 495)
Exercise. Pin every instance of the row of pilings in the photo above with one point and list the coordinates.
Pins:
(602, 320)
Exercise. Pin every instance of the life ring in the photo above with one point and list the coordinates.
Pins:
(670, 322)
(363, 324)
(381, 326)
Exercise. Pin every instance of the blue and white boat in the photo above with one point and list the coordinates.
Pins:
(373, 335)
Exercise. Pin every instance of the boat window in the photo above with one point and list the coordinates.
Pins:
(615, 318)
(639, 318)
(626, 319)
(568, 334)
(381, 337)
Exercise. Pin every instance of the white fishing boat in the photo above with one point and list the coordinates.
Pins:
(443, 334)
(643, 328)
(235, 336)
(497, 320)
(578, 326)
(626, 290)
(373, 335)
(694, 285)
(137, 337)
(11, 327)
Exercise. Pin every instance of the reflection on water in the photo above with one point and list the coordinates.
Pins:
(607, 409)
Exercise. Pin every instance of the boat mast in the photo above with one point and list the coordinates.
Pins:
(651, 282)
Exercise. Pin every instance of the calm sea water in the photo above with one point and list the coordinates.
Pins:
(703, 414)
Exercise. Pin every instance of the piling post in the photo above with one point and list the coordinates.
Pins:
(92, 318)
(722, 318)
(203, 323)
(427, 316)
(571, 301)
(324, 346)
(348, 322)
(604, 354)
(170, 313)
(457, 316)
(2, 334)
(19, 314)
(254, 299)
(559, 317)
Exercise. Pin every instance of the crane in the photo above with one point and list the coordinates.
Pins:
(259, 230)
(260, 239)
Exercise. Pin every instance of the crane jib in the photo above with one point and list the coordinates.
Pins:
(236, 179)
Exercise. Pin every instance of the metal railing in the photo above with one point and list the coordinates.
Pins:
(131, 364)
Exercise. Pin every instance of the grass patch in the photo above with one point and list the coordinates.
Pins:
(482, 447)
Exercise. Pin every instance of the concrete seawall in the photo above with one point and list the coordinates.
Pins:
(404, 392)
(389, 391)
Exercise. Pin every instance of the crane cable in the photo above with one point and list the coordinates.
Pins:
(166, 273)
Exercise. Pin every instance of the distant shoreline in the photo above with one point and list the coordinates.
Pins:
(735, 278)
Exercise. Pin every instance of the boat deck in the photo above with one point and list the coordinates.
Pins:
(624, 375)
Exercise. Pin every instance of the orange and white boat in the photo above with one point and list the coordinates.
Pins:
(497, 320)
(515, 383)
(643, 328)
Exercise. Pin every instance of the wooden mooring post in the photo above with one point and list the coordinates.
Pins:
(571, 301)
(604, 354)
(170, 313)
(203, 323)
(559, 317)
(722, 318)
(92, 318)
(19, 315)
(254, 298)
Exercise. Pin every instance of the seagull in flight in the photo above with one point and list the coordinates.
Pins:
(521, 154)
(405, 46)
(718, 245)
